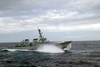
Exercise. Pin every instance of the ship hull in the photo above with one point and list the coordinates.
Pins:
(62, 45)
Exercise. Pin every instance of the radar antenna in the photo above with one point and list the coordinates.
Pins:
(40, 32)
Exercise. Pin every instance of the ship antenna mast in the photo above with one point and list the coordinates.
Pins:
(40, 32)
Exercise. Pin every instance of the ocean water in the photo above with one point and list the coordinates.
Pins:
(81, 54)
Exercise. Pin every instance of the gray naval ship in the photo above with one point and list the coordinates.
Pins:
(37, 42)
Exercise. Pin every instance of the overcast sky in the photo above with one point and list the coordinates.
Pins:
(59, 20)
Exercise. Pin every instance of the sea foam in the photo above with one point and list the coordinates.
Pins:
(49, 48)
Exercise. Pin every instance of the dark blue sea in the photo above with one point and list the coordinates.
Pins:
(81, 54)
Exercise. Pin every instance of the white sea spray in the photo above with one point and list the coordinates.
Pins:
(49, 48)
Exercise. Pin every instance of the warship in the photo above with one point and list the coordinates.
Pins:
(37, 42)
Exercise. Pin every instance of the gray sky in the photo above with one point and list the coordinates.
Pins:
(59, 20)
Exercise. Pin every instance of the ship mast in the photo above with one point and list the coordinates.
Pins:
(40, 33)
(42, 40)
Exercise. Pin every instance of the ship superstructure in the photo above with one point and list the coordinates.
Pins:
(41, 40)
(36, 41)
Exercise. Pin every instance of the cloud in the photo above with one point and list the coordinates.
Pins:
(20, 7)
(50, 15)
(52, 20)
